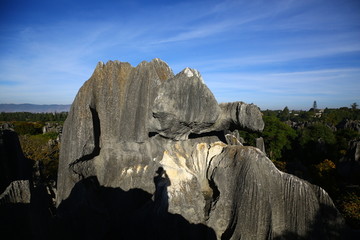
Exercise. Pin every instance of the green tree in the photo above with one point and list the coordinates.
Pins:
(316, 143)
(335, 116)
(33, 117)
(304, 116)
(277, 136)
(284, 115)
(354, 106)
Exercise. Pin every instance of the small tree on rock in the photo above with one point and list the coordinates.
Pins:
(354, 106)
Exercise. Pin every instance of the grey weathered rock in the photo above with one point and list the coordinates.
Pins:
(239, 114)
(260, 144)
(111, 110)
(184, 105)
(52, 127)
(142, 147)
(257, 201)
(16, 192)
(6, 126)
(349, 124)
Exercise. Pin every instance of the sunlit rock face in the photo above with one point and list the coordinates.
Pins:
(144, 148)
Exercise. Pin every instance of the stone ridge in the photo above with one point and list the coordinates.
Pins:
(113, 105)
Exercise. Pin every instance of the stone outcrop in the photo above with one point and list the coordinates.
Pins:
(349, 124)
(349, 165)
(146, 153)
(172, 116)
(25, 207)
(13, 164)
(52, 127)
(17, 192)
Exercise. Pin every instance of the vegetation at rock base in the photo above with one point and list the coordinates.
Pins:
(43, 148)
(28, 128)
(311, 144)
(37, 145)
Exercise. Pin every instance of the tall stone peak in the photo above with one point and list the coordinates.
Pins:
(189, 72)
(150, 153)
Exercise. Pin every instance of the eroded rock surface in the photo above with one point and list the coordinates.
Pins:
(184, 105)
(146, 149)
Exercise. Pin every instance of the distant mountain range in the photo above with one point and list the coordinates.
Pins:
(34, 108)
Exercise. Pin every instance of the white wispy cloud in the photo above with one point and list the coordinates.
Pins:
(287, 88)
(255, 48)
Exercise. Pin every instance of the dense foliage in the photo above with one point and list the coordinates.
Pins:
(278, 136)
(42, 148)
(311, 144)
(38, 144)
(28, 128)
(34, 117)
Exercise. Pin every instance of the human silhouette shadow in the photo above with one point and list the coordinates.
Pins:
(94, 212)
(161, 199)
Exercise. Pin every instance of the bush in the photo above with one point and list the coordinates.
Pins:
(42, 148)
(28, 128)
(277, 136)
(349, 205)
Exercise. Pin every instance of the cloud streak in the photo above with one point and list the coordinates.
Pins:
(326, 85)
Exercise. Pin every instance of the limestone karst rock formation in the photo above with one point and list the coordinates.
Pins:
(24, 206)
(146, 153)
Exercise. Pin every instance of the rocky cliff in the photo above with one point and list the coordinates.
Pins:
(146, 153)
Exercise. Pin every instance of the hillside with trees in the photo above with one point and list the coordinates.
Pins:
(39, 136)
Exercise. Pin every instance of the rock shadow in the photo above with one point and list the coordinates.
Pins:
(93, 211)
(161, 198)
(13, 164)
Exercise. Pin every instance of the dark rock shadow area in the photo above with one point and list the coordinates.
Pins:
(97, 212)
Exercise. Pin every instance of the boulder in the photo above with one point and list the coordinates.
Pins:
(17, 192)
(144, 149)
(260, 144)
(349, 124)
(184, 105)
(13, 164)
(239, 115)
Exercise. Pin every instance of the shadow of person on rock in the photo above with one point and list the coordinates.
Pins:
(161, 198)
(94, 212)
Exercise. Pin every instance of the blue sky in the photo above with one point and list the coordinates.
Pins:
(273, 53)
